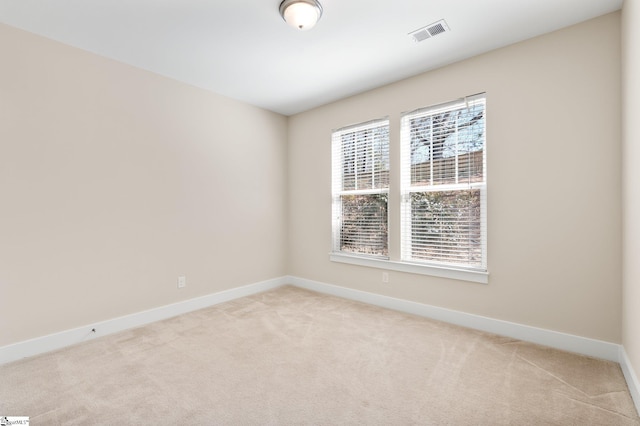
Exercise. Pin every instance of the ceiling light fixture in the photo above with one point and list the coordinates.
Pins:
(301, 14)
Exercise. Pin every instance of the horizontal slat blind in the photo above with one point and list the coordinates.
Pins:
(444, 184)
(360, 183)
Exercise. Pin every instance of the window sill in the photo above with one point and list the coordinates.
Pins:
(413, 268)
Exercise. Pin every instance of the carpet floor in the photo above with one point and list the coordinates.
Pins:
(292, 356)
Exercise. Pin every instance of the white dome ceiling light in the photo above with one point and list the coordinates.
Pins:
(301, 14)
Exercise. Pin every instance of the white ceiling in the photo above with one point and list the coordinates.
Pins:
(244, 50)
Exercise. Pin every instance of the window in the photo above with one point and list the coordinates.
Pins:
(443, 187)
(360, 187)
(438, 204)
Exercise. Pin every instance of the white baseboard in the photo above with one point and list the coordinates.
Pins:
(563, 341)
(631, 378)
(568, 342)
(65, 338)
(554, 339)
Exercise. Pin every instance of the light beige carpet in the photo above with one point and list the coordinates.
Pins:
(291, 356)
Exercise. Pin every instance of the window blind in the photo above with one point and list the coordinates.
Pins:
(443, 184)
(360, 185)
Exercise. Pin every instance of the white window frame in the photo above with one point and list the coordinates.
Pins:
(407, 188)
(338, 191)
(394, 261)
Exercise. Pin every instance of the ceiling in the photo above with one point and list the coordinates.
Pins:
(244, 50)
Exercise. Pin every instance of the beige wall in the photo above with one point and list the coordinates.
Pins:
(114, 181)
(554, 185)
(631, 180)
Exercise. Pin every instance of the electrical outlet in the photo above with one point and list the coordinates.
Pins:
(182, 281)
(385, 277)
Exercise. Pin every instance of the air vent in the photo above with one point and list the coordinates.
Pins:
(429, 31)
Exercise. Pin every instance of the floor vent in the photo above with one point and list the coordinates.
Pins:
(429, 31)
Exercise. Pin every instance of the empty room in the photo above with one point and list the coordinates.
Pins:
(320, 212)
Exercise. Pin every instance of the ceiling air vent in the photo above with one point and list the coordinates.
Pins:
(429, 31)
